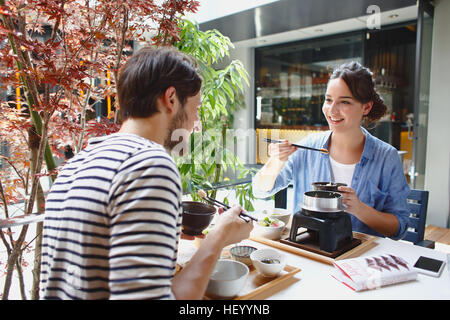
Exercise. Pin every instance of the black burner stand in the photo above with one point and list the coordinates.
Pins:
(333, 232)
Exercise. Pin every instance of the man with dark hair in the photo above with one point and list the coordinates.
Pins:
(113, 215)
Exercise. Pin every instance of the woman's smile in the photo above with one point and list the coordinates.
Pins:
(335, 120)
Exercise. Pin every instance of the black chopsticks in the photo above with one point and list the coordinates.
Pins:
(297, 145)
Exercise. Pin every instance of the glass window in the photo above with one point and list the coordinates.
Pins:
(291, 79)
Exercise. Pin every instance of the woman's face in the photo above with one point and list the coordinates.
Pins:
(341, 109)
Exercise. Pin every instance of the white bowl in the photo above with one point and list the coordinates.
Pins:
(227, 279)
(280, 214)
(242, 254)
(272, 233)
(268, 269)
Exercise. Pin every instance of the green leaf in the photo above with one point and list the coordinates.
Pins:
(227, 88)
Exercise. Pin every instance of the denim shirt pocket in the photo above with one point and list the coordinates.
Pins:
(376, 197)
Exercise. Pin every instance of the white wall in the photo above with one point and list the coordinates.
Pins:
(437, 170)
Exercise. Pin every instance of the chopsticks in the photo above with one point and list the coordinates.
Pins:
(215, 202)
(297, 145)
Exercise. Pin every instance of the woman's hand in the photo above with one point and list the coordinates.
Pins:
(382, 222)
(281, 151)
(350, 199)
(278, 155)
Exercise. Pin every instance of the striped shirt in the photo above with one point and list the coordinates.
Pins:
(112, 224)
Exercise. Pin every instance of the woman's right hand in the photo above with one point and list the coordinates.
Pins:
(281, 151)
(278, 155)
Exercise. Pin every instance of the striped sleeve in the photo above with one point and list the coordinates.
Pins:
(145, 208)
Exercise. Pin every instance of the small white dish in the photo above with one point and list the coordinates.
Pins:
(242, 254)
(277, 262)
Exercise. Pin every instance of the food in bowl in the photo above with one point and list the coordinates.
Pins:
(269, 222)
(269, 228)
(278, 213)
(227, 279)
(268, 262)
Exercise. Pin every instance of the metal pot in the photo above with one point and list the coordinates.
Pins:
(323, 204)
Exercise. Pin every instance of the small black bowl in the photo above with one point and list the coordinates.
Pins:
(196, 217)
(327, 186)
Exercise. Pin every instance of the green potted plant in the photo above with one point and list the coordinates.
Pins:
(210, 161)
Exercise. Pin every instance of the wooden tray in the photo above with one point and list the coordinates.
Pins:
(310, 243)
(258, 287)
(366, 244)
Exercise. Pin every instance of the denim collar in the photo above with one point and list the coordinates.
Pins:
(368, 145)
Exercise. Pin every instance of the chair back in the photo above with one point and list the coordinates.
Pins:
(417, 205)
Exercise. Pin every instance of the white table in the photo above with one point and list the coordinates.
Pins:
(315, 280)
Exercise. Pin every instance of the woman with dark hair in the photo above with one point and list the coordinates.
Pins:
(376, 189)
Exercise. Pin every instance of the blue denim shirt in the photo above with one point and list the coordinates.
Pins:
(378, 178)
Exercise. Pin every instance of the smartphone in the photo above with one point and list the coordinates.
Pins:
(429, 266)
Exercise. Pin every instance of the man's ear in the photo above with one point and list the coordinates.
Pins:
(168, 99)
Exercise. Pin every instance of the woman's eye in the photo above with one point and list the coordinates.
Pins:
(345, 102)
(328, 100)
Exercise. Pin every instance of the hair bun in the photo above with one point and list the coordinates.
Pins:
(360, 81)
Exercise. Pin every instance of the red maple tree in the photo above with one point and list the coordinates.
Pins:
(59, 61)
